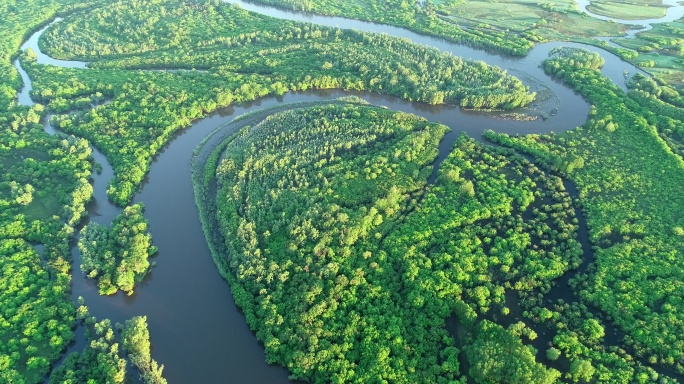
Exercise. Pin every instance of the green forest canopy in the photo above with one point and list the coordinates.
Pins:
(630, 182)
(453, 244)
(242, 56)
(347, 263)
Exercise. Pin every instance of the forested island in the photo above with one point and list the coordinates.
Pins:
(327, 241)
(117, 256)
(359, 243)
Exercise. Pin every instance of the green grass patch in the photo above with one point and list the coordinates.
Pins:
(538, 21)
(627, 10)
(658, 51)
(42, 208)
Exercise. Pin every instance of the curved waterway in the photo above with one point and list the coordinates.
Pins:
(197, 331)
(674, 12)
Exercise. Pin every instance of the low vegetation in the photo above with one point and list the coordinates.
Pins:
(425, 19)
(657, 51)
(507, 26)
(629, 9)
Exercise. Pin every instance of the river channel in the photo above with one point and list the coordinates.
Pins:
(674, 12)
(197, 331)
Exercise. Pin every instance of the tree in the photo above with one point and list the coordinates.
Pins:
(593, 330)
(581, 370)
(136, 342)
(553, 354)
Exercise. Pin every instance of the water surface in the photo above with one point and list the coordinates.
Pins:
(197, 331)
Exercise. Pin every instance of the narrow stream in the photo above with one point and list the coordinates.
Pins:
(674, 12)
(197, 331)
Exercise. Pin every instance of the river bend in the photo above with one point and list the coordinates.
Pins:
(197, 331)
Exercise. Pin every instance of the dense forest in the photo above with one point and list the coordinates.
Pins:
(118, 256)
(43, 192)
(629, 177)
(44, 189)
(357, 248)
(242, 56)
(349, 266)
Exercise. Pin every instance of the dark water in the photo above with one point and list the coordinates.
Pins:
(196, 330)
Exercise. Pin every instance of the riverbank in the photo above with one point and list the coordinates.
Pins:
(184, 292)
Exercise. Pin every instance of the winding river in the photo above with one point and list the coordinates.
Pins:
(674, 12)
(197, 331)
